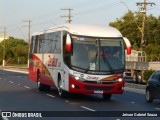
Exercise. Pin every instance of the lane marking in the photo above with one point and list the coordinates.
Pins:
(133, 102)
(27, 87)
(66, 101)
(18, 84)
(2, 118)
(11, 82)
(87, 108)
(5, 118)
(50, 95)
(157, 108)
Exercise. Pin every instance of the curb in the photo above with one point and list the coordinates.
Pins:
(136, 86)
(19, 71)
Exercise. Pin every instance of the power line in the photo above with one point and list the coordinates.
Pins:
(99, 8)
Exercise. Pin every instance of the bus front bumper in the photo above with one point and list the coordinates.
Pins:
(76, 86)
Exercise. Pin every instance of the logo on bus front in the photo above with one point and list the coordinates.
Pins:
(92, 77)
(52, 62)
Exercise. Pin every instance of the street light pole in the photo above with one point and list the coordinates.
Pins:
(29, 32)
(125, 5)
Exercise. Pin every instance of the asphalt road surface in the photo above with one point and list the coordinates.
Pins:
(19, 94)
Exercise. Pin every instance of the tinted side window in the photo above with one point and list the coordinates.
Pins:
(32, 43)
(156, 76)
(51, 43)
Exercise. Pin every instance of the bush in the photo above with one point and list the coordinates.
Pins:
(16, 51)
(147, 74)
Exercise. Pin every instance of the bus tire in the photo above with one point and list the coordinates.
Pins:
(47, 88)
(39, 85)
(107, 96)
(61, 92)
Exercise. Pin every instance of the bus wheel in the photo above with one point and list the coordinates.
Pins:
(39, 85)
(61, 92)
(107, 96)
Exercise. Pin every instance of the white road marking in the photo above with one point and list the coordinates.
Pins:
(87, 108)
(67, 101)
(19, 76)
(50, 95)
(27, 87)
(157, 108)
(18, 84)
(5, 118)
(11, 82)
(133, 102)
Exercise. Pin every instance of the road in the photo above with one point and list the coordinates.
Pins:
(18, 93)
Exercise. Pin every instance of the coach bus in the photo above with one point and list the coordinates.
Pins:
(76, 58)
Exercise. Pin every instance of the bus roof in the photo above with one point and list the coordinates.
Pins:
(85, 30)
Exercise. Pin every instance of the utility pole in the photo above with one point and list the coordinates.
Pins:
(29, 35)
(4, 45)
(143, 11)
(69, 15)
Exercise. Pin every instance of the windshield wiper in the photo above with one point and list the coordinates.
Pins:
(94, 60)
(107, 62)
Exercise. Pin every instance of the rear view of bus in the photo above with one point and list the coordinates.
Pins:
(91, 61)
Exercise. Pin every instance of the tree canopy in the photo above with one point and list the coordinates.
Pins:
(130, 27)
(16, 51)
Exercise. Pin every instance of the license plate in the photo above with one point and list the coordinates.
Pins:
(98, 92)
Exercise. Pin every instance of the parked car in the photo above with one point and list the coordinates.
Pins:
(153, 87)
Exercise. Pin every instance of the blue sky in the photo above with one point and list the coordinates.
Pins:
(47, 13)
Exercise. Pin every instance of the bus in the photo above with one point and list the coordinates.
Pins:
(79, 58)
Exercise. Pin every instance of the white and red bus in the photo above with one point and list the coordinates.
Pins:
(77, 58)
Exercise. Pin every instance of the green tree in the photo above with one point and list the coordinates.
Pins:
(130, 27)
(16, 51)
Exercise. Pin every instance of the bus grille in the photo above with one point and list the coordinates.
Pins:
(98, 88)
(101, 82)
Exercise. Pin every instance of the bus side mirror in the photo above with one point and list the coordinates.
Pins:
(68, 45)
(128, 45)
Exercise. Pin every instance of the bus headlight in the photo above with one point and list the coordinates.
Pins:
(77, 78)
(120, 80)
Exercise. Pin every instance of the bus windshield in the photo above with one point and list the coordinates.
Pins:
(97, 54)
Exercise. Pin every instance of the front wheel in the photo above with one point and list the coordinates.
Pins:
(148, 96)
(61, 92)
(107, 96)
